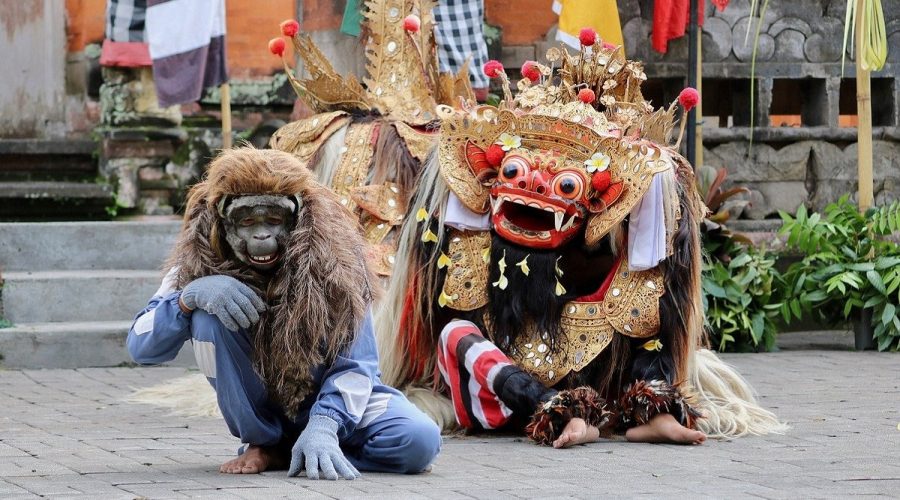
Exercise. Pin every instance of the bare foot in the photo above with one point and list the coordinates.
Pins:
(254, 460)
(663, 428)
(577, 431)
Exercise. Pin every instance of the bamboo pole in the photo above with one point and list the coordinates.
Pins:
(225, 91)
(693, 57)
(699, 116)
(864, 112)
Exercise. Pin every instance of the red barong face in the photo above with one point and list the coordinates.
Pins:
(540, 199)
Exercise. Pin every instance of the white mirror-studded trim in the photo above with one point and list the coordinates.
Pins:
(355, 389)
(205, 352)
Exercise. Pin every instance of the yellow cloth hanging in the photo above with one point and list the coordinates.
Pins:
(602, 15)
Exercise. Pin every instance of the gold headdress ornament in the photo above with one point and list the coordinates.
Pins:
(589, 114)
(403, 81)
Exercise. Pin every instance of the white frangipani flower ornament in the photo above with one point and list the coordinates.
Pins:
(509, 141)
(599, 162)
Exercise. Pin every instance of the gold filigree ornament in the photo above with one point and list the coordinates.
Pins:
(353, 166)
(303, 138)
(467, 271)
(630, 308)
(402, 79)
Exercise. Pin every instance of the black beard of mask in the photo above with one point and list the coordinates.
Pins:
(528, 299)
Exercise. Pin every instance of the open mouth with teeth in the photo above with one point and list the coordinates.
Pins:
(533, 220)
(264, 260)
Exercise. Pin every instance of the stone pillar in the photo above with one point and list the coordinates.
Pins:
(128, 98)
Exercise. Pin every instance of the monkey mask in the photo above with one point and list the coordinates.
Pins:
(261, 218)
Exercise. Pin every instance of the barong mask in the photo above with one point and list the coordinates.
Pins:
(574, 152)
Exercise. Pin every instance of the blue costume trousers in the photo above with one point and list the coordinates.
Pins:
(392, 436)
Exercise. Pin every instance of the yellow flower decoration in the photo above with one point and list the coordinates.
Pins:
(445, 299)
(421, 215)
(560, 290)
(652, 345)
(509, 141)
(502, 283)
(599, 162)
(558, 269)
(443, 261)
(429, 237)
(523, 265)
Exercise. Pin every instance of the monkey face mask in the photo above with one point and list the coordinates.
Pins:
(257, 227)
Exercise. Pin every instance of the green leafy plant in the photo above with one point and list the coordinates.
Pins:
(738, 292)
(718, 240)
(850, 267)
(740, 301)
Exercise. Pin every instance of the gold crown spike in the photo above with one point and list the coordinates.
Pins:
(326, 89)
(402, 65)
(403, 81)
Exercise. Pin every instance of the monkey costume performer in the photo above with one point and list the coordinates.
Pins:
(548, 275)
(268, 281)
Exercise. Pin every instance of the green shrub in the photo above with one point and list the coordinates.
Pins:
(740, 300)
(849, 267)
(738, 280)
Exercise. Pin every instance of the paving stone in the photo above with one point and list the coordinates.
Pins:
(67, 433)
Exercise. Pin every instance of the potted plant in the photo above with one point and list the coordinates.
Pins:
(738, 279)
(850, 270)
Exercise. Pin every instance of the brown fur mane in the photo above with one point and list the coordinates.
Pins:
(317, 298)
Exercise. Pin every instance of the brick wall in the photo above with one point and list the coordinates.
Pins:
(322, 15)
(522, 21)
(249, 29)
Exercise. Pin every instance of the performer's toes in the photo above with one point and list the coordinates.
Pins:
(253, 461)
(663, 428)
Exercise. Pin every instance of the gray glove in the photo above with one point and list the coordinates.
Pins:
(318, 443)
(234, 303)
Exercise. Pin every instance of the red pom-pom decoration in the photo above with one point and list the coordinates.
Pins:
(412, 23)
(689, 98)
(586, 96)
(495, 155)
(601, 180)
(587, 36)
(276, 46)
(608, 46)
(493, 69)
(531, 71)
(289, 28)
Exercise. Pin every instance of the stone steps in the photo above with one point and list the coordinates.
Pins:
(142, 244)
(94, 295)
(72, 288)
(51, 179)
(71, 345)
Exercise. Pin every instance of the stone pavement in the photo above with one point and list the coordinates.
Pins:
(67, 433)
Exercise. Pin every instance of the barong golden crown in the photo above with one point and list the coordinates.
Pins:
(402, 82)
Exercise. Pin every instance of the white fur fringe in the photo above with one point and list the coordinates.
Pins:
(188, 396)
(727, 401)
